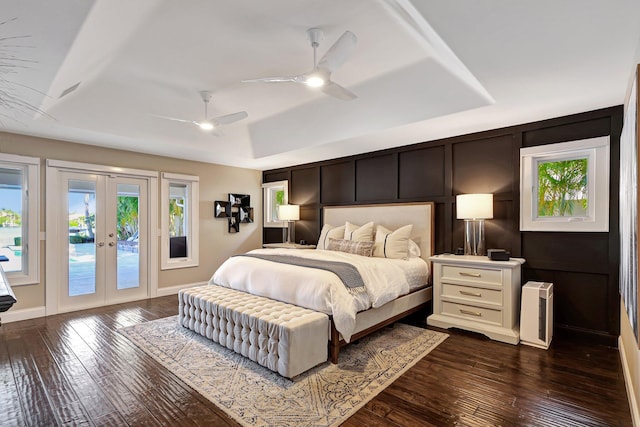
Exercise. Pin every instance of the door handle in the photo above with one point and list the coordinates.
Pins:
(111, 244)
(100, 244)
(111, 234)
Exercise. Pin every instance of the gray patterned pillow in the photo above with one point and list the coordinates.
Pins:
(351, 247)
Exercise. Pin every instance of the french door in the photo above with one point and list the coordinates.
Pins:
(102, 235)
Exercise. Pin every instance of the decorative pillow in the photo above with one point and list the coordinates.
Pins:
(351, 247)
(329, 232)
(414, 249)
(392, 244)
(358, 233)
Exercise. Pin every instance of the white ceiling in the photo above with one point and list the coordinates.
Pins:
(422, 70)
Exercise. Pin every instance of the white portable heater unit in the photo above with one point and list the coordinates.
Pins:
(536, 314)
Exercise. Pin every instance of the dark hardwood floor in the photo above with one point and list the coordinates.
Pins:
(73, 369)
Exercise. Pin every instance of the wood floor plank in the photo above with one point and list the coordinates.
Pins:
(34, 401)
(80, 370)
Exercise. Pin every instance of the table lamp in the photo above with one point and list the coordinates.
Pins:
(474, 209)
(289, 213)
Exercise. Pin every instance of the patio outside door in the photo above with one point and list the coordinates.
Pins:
(105, 254)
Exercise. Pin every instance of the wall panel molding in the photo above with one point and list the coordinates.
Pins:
(584, 266)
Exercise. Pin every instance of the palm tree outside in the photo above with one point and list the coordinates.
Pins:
(562, 188)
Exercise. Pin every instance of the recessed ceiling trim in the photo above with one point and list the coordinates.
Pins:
(406, 13)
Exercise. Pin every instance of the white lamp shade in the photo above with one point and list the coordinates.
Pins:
(289, 212)
(474, 206)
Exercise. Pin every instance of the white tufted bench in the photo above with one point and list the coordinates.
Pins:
(282, 337)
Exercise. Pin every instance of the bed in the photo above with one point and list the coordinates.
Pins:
(391, 216)
(395, 287)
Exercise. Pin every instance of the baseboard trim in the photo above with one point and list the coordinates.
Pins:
(23, 314)
(631, 395)
(173, 290)
(35, 312)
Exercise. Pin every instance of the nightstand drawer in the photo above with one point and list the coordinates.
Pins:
(471, 274)
(478, 314)
(469, 293)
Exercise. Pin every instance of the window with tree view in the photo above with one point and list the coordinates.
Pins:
(177, 220)
(180, 202)
(563, 188)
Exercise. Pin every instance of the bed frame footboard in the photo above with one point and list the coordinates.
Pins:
(336, 343)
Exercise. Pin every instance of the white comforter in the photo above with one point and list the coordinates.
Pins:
(321, 290)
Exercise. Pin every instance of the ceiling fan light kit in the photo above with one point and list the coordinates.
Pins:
(315, 81)
(215, 122)
(320, 75)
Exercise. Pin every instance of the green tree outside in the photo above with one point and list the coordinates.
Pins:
(562, 188)
(9, 218)
(127, 217)
(176, 217)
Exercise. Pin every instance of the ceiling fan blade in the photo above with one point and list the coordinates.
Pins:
(229, 118)
(272, 79)
(177, 120)
(337, 91)
(339, 52)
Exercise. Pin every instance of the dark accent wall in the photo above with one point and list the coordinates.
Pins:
(582, 266)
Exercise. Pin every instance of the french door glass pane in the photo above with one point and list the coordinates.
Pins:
(128, 259)
(11, 218)
(82, 248)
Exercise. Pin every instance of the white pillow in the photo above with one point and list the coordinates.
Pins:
(392, 244)
(414, 250)
(359, 233)
(329, 232)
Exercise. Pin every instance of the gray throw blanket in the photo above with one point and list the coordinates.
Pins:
(347, 273)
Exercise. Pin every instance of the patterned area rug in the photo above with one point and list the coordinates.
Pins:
(255, 396)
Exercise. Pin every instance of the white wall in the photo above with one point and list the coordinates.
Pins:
(628, 345)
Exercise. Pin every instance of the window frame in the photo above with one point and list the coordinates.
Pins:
(270, 205)
(596, 150)
(192, 219)
(31, 185)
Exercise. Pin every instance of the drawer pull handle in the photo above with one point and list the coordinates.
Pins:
(463, 273)
(471, 313)
(471, 294)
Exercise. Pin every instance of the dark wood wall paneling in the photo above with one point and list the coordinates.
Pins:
(582, 266)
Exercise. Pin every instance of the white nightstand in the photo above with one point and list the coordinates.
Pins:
(477, 294)
(288, 246)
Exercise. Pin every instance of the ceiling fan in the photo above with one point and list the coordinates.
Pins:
(320, 75)
(214, 122)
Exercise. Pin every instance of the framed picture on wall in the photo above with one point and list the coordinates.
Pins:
(221, 209)
(234, 223)
(565, 187)
(239, 199)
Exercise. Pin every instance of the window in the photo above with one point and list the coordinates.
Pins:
(19, 231)
(180, 203)
(565, 187)
(275, 194)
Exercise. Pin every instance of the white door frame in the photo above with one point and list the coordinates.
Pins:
(54, 233)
